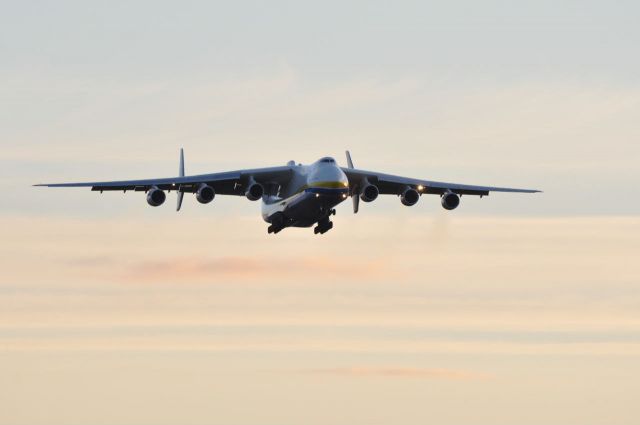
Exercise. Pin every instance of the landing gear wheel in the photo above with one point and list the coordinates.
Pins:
(278, 222)
(327, 228)
(274, 229)
(323, 226)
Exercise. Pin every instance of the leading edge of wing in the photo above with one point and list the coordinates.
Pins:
(200, 178)
(399, 180)
(149, 182)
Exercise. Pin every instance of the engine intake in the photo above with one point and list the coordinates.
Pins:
(450, 201)
(156, 197)
(205, 193)
(369, 193)
(409, 197)
(254, 191)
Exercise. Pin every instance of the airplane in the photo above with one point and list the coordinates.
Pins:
(296, 195)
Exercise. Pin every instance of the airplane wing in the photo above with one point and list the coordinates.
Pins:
(225, 183)
(389, 184)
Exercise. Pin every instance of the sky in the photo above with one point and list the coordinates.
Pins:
(511, 309)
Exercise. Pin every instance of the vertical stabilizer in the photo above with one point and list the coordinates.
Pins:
(355, 195)
(181, 174)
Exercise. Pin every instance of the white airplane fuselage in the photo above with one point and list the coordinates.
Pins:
(309, 197)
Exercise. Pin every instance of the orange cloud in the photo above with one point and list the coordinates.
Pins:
(250, 267)
(401, 372)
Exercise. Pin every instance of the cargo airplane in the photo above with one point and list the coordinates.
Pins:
(296, 195)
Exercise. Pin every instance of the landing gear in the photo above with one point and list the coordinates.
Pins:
(274, 229)
(278, 223)
(323, 226)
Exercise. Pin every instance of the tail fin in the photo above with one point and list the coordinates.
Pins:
(355, 198)
(181, 174)
(349, 162)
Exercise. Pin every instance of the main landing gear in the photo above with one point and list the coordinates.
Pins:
(274, 229)
(277, 223)
(324, 225)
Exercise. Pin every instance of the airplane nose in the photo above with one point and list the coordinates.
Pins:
(337, 175)
(330, 178)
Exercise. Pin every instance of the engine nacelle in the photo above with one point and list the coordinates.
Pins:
(450, 201)
(156, 197)
(254, 191)
(205, 193)
(409, 197)
(369, 193)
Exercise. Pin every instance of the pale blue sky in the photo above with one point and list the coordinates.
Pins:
(534, 94)
(492, 40)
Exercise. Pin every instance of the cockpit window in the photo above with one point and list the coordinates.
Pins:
(329, 160)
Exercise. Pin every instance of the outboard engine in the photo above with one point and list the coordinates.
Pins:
(254, 191)
(156, 197)
(450, 201)
(409, 197)
(205, 193)
(369, 193)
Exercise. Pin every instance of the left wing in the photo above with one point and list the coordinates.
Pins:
(366, 185)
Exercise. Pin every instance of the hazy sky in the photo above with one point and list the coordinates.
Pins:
(512, 309)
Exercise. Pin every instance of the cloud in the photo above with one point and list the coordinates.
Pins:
(251, 267)
(400, 372)
(89, 261)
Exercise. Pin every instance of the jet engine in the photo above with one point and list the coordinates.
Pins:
(254, 191)
(369, 193)
(450, 201)
(156, 197)
(409, 197)
(205, 193)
